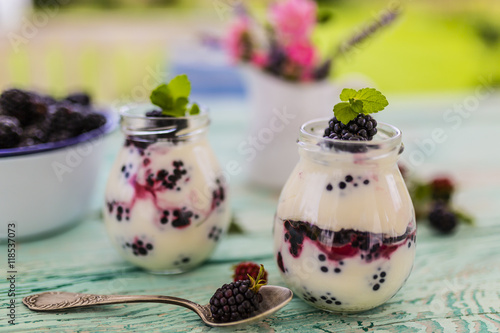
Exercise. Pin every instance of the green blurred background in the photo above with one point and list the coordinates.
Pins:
(106, 47)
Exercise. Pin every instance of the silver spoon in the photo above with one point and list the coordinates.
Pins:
(273, 299)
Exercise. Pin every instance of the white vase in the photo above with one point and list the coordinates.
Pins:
(278, 109)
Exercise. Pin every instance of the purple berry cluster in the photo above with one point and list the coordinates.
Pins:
(164, 178)
(125, 170)
(348, 180)
(182, 261)
(120, 210)
(326, 298)
(343, 244)
(27, 118)
(215, 233)
(182, 217)
(218, 194)
(139, 247)
(379, 279)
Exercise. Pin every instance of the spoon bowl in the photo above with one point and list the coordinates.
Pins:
(273, 299)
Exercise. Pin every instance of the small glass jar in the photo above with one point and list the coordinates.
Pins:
(166, 200)
(344, 231)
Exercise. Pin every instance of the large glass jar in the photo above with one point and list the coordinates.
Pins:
(166, 201)
(344, 231)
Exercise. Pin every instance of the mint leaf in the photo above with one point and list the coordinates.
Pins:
(173, 98)
(347, 94)
(373, 100)
(356, 106)
(195, 109)
(344, 112)
(180, 87)
(365, 101)
(162, 97)
(180, 104)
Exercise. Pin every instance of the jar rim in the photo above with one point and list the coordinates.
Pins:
(137, 111)
(134, 122)
(311, 133)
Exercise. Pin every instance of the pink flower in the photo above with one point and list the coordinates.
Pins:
(302, 54)
(294, 19)
(259, 59)
(234, 40)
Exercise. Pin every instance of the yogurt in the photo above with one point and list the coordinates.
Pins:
(344, 232)
(166, 202)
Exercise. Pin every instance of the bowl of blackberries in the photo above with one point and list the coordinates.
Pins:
(50, 154)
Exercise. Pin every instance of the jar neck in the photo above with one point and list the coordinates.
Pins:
(384, 149)
(137, 127)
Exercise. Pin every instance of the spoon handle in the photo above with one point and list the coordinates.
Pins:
(60, 300)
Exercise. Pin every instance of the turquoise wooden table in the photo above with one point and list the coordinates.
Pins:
(454, 286)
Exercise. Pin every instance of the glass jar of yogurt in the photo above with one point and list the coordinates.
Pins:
(166, 200)
(344, 231)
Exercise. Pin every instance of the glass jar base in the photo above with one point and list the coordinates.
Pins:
(168, 271)
(344, 312)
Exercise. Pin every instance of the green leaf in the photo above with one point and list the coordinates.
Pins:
(464, 217)
(422, 192)
(373, 100)
(344, 112)
(173, 98)
(357, 106)
(162, 97)
(180, 87)
(347, 94)
(195, 109)
(180, 104)
(366, 101)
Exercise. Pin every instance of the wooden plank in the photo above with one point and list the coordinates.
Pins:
(451, 288)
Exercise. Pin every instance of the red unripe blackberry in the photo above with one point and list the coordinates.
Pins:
(442, 188)
(237, 300)
(245, 268)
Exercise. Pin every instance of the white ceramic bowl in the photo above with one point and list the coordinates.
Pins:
(47, 187)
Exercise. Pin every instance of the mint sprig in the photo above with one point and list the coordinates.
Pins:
(173, 98)
(365, 101)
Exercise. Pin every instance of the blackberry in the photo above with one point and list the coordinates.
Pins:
(362, 128)
(442, 218)
(10, 132)
(237, 300)
(33, 135)
(27, 107)
(93, 121)
(80, 98)
(169, 121)
(245, 269)
(155, 113)
(65, 122)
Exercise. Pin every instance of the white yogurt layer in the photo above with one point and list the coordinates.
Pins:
(375, 200)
